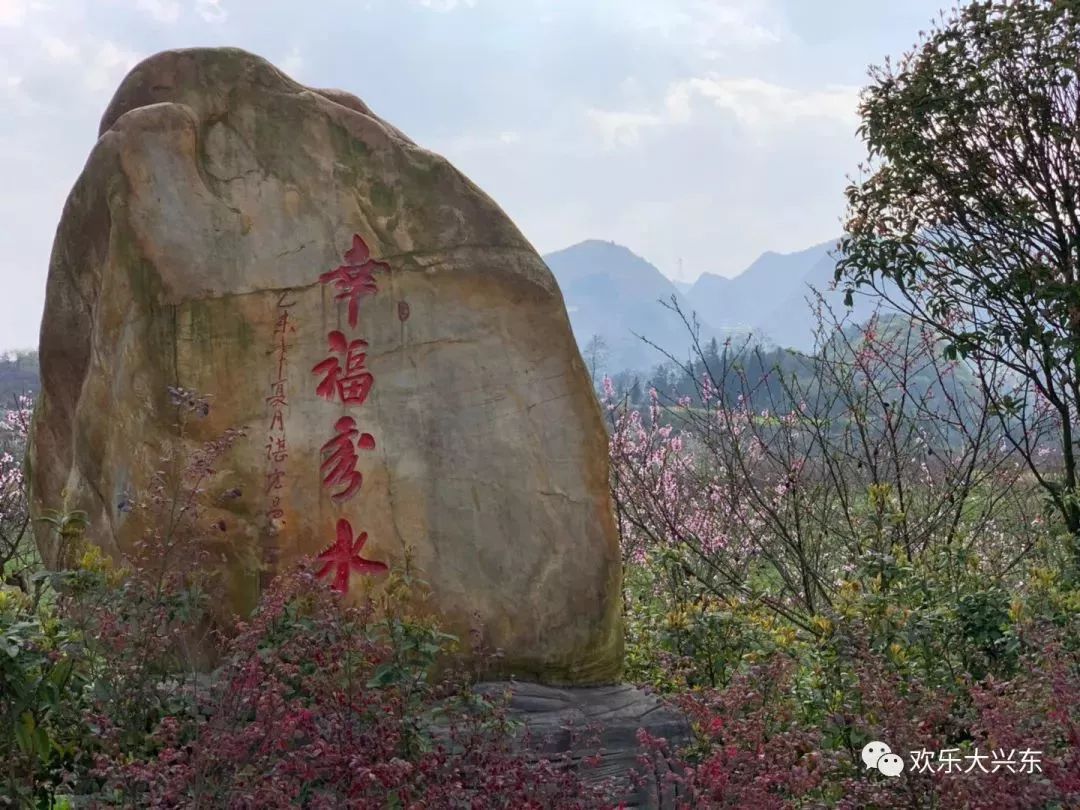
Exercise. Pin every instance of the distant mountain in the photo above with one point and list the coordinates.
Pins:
(768, 297)
(773, 297)
(792, 321)
(616, 294)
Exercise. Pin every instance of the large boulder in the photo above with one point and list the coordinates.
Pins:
(397, 353)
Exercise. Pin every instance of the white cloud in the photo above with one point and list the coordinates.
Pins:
(293, 63)
(750, 24)
(59, 50)
(16, 99)
(709, 27)
(170, 11)
(446, 5)
(211, 11)
(477, 142)
(758, 107)
(13, 12)
(762, 105)
(11, 86)
(617, 128)
(107, 65)
(165, 11)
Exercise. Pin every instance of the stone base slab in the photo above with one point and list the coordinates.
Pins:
(577, 721)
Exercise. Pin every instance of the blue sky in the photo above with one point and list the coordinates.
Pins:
(698, 133)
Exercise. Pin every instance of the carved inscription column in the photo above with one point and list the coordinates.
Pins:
(277, 450)
(344, 376)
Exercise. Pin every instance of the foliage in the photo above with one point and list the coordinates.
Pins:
(109, 696)
(42, 663)
(774, 506)
(17, 557)
(788, 732)
(874, 563)
(966, 218)
(42, 673)
(322, 705)
(677, 377)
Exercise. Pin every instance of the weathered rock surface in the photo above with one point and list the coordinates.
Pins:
(190, 254)
(579, 721)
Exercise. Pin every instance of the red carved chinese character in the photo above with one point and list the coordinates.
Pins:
(339, 466)
(283, 324)
(275, 479)
(353, 383)
(343, 558)
(355, 278)
(278, 398)
(276, 449)
(276, 512)
(277, 420)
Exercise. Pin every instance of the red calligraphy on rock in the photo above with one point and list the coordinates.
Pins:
(343, 558)
(276, 450)
(339, 458)
(344, 375)
(355, 278)
(350, 383)
(278, 401)
(275, 479)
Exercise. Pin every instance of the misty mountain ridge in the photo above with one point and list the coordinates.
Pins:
(612, 292)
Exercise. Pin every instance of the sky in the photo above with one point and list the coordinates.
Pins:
(698, 133)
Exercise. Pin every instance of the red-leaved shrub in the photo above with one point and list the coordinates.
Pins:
(319, 704)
